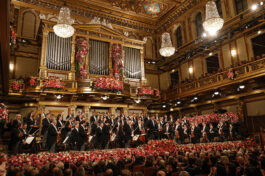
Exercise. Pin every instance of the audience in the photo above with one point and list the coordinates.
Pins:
(240, 160)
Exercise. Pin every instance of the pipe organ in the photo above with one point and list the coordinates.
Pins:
(58, 56)
(132, 63)
(98, 57)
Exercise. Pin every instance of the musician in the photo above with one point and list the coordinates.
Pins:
(59, 121)
(93, 118)
(128, 129)
(66, 131)
(192, 133)
(82, 136)
(197, 132)
(52, 136)
(186, 134)
(159, 132)
(171, 119)
(70, 115)
(231, 130)
(151, 128)
(30, 120)
(156, 117)
(178, 132)
(19, 118)
(220, 127)
(211, 133)
(167, 131)
(44, 130)
(106, 134)
(78, 117)
(75, 137)
(99, 136)
(204, 132)
(15, 139)
(23, 134)
(120, 134)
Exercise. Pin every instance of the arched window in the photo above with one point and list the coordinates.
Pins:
(198, 24)
(241, 5)
(179, 37)
(219, 7)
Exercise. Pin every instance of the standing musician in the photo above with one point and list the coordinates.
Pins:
(66, 131)
(151, 128)
(59, 124)
(220, 127)
(52, 136)
(186, 134)
(178, 132)
(167, 131)
(44, 130)
(99, 136)
(231, 131)
(106, 133)
(159, 133)
(128, 129)
(82, 136)
(211, 133)
(93, 118)
(30, 120)
(75, 137)
(192, 133)
(204, 132)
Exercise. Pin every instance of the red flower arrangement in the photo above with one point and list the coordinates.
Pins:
(33, 82)
(82, 51)
(108, 84)
(229, 116)
(3, 112)
(231, 74)
(148, 91)
(16, 85)
(53, 83)
(152, 148)
(117, 61)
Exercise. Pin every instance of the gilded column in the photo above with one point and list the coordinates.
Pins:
(86, 111)
(43, 68)
(87, 60)
(72, 73)
(142, 66)
(110, 60)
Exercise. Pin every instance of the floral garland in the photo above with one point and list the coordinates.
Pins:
(231, 74)
(148, 91)
(12, 37)
(16, 85)
(152, 148)
(82, 51)
(117, 61)
(107, 84)
(3, 112)
(33, 82)
(53, 82)
(229, 116)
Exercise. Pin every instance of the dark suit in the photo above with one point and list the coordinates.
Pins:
(52, 138)
(82, 138)
(45, 125)
(93, 119)
(127, 134)
(99, 138)
(75, 138)
(14, 141)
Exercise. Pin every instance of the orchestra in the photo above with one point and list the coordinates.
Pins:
(106, 131)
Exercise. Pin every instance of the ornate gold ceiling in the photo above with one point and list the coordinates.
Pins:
(149, 16)
(149, 9)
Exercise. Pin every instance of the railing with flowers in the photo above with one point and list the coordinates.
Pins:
(147, 91)
(109, 84)
(230, 76)
(53, 83)
(3, 116)
(16, 85)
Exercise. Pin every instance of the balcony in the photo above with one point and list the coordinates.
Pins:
(252, 69)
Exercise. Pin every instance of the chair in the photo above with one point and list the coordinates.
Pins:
(138, 168)
(149, 171)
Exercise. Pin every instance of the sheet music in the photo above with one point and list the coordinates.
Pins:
(135, 138)
(29, 140)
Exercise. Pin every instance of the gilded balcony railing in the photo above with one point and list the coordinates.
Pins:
(242, 72)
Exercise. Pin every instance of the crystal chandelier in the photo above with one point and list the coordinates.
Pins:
(166, 49)
(212, 22)
(64, 28)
